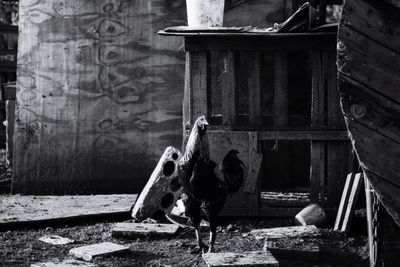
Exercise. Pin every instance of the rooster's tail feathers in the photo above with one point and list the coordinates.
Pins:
(234, 170)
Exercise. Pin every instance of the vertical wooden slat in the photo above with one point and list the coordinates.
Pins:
(255, 116)
(195, 92)
(281, 113)
(337, 151)
(228, 89)
(280, 96)
(318, 149)
(252, 181)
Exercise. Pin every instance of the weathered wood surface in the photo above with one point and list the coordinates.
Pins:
(369, 75)
(89, 252)
(281, 232)
(99, 94)
(220, 143)
(285, 199)
(251, 258)
(64, 263)
(143, 229)
(22, 209)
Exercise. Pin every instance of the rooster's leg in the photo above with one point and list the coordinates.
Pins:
(213, 235)
(201, 247)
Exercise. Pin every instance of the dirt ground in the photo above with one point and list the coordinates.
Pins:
(21, 247)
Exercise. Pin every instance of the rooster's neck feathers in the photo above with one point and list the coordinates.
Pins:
(197, 142)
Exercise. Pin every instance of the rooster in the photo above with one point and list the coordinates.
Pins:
(206, 184)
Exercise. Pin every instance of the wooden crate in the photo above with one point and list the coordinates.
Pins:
(247, 84)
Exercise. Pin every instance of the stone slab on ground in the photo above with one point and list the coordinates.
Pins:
(282, 232)
(140, 229)
(56, 240)
(64, 263)
(89, 252)
(251, 258)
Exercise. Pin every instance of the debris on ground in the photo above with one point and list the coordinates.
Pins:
(21, 247)
(56, 240)
(162, 189)
(64, 263)
(89, 252)
(251, 258)
(312, 214)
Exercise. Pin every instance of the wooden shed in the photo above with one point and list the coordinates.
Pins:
(274, 98)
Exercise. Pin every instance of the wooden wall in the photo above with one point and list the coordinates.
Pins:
(99, 94)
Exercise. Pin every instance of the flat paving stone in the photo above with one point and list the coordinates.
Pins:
(140, 229)
(89, 252)
(251, 258)
(56, 240)
(64, 263)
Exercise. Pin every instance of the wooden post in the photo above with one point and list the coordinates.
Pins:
(318, 149)
(195, 94)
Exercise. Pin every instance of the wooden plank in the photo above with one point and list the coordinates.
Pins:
(382, 24)
(344, 201)
(258, 41)
(220, 144)
(10, 118)
(96, 93)
(90, 252)
(372, 64)
(281, 112)
(251, 184)
(255, 159)
(318, 148)
(293, 135)
(388, 194)
(286, 232)
(369, 145)
(143, 229)
(351, 204)
(375, 111)
(64, 263)
(283, 199)
(228, 88)
(198, 85)
(35, 209)
(255, 116)
(195, 92)
(251, 258)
